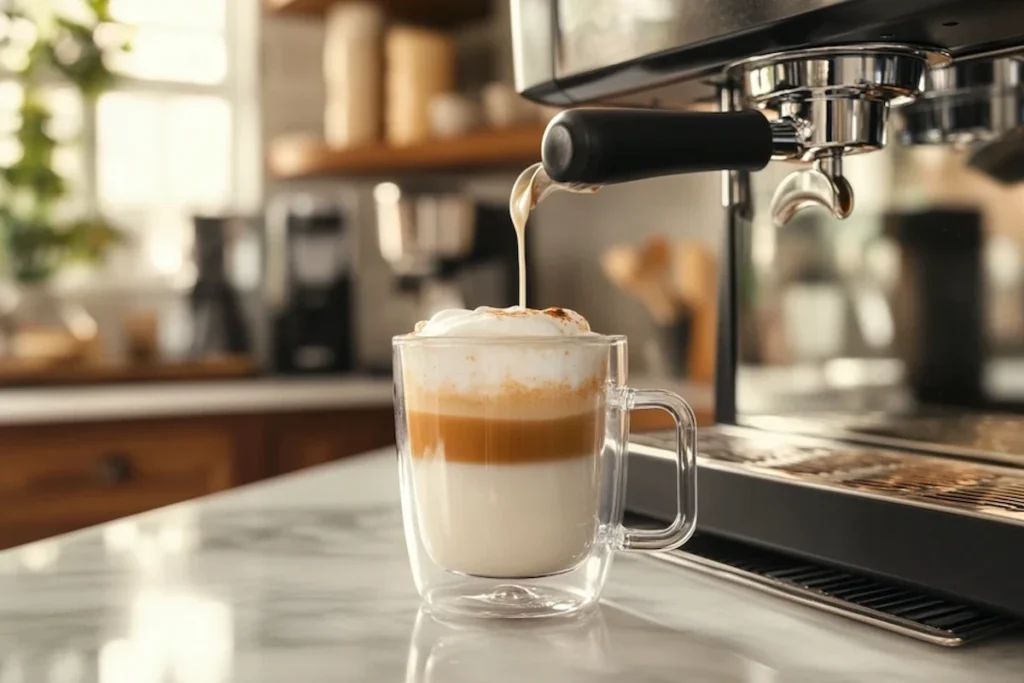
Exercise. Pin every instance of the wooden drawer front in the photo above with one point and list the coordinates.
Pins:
(74, 475)
(314, 439)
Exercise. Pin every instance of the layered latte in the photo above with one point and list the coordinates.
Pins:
(505, 428)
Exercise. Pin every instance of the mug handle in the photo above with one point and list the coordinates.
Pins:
(681, 528)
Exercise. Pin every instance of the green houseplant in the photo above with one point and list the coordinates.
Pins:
(36, 243)
(43, 46)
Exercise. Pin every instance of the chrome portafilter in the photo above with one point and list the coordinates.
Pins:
(976, 105)
(828, 103)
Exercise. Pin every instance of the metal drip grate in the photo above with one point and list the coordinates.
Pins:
(989, 437)
(902, 610)
(794, 455)
(952, 484)
(956, 485)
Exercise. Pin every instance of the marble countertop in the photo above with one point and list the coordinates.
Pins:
(171, 399)
(128, 401)
(305, 578)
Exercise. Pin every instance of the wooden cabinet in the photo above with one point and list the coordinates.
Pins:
(309, 439)
(60, 477)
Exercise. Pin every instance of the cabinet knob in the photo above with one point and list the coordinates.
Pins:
(114, 468)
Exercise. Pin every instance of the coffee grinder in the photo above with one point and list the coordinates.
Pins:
(311, 288)
(219, 325)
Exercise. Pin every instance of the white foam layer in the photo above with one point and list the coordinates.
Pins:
(490, 368)
(507, 521)
(486, 321)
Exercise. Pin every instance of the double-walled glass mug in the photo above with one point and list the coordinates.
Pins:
(512, 457)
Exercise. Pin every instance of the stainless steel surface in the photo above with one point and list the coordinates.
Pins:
(560, 39)
(886, 72)
(593, 34)
(826, 124)
(977, 624)
(977, 105)
(974, 489)
(829, 101)
(592, 50)
(966, 102)
(821, 185)
(787, 134)
(803, 597)
(1003, 157)
(415, 232)
(986, 437)
(1006, 71)
(533, 34)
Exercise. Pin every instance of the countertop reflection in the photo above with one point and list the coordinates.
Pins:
(610, 644)
(305, 579)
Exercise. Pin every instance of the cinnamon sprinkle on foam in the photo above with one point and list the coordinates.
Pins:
(497, 322)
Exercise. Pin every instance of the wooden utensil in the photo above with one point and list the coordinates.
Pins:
(695, 283)
(645, 274)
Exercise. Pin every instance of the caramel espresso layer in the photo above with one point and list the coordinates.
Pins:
(486, 440)
(510, 400)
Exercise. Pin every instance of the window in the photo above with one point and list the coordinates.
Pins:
(174, 138)
(169, 138)
(183, 41)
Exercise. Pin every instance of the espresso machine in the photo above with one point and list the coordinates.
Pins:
(445, 250)
(873, 501)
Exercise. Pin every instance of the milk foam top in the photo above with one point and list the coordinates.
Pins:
(533, 375)
(486, 321)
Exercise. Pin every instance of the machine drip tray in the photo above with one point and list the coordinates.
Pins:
(906, 611)
(943, 526)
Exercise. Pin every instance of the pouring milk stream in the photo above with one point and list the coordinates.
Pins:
(530, 188)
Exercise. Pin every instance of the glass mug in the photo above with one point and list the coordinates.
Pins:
(512, 461)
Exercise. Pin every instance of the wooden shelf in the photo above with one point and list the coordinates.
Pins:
(511, 148)
(423, 12)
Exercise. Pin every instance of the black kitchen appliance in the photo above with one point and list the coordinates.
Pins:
(940, 305)
(312, 290)
(219, 325)
(875, 480)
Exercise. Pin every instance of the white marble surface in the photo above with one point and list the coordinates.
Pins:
(127, 401)
(170, 399)
(305, 579)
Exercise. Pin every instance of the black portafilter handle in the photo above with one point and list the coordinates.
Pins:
(603, 146)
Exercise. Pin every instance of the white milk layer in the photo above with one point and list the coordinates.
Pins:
(508, 521)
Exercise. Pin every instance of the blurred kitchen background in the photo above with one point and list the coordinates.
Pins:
(216, 213)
